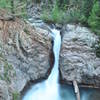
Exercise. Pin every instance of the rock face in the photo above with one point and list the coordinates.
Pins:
(24, 56)
(78, 60)
(4, 95)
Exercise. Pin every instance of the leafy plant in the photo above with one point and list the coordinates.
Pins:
(16, 96)
(53, 15)
(75, 15)
(16, 7)
(65, 11)
(94, 19)
(7, 69)
(5, 4)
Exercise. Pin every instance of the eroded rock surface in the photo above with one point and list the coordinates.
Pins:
(24, 55)
(4, 94)
(78, 60)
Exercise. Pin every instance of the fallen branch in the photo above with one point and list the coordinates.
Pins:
(76, 89)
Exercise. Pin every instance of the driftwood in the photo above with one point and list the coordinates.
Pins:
(76, 89)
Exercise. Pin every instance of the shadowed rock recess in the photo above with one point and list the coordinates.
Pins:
(24, 57)
(78, 60)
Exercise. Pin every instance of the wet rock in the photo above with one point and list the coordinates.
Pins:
(78, 60)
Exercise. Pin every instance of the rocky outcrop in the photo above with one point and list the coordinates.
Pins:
(24, 56)
(4, 94)
(78, 60)
(34, 11)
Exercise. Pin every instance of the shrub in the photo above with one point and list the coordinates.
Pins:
(5, 4)
(94, 23)
(94, 19)
(65, 12)
(57, 14)
(74, 15)
(16, 96)
(16, 7)
(53, 15)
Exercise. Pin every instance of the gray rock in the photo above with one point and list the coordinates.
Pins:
(4, 94)
(78, 60)
(34, 11)
(25, 53)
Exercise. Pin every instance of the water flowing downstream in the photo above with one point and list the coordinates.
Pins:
(50, 89)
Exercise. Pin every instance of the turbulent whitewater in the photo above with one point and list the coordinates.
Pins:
(49, 89)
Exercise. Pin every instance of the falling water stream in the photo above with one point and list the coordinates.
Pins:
(50, 89)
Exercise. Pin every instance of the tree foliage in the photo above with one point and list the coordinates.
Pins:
(16, 7)
(94, 19)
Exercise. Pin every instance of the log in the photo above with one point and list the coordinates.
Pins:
(76, 89)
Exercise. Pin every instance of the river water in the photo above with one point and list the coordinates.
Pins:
(50, 89)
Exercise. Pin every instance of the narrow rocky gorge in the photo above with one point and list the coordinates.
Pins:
(26, 55)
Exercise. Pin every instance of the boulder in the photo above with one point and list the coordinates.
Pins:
(24, 54)
(78, 60)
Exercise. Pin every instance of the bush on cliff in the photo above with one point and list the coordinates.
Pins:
(68, 11)
(94, 23)
(94, 19)
(16, 7)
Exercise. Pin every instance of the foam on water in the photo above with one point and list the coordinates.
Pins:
(48, 90)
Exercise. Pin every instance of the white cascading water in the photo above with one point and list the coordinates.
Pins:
(49, 89)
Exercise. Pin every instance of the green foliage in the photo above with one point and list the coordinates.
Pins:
(97, 49)
(86, 7)
(5, 4)
(68, 11)
(94, 19)
(82, 9)
(46, 16)
(53, 15)
(75, 15)
(8, 72)
(94, 23)
(16, 96)
(57, 14)
(26, 31)
(7, 68)
(17, 7)
(1, 55)
(20, 8)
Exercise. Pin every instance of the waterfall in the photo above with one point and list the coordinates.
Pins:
(56, 49)
(49, 89)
